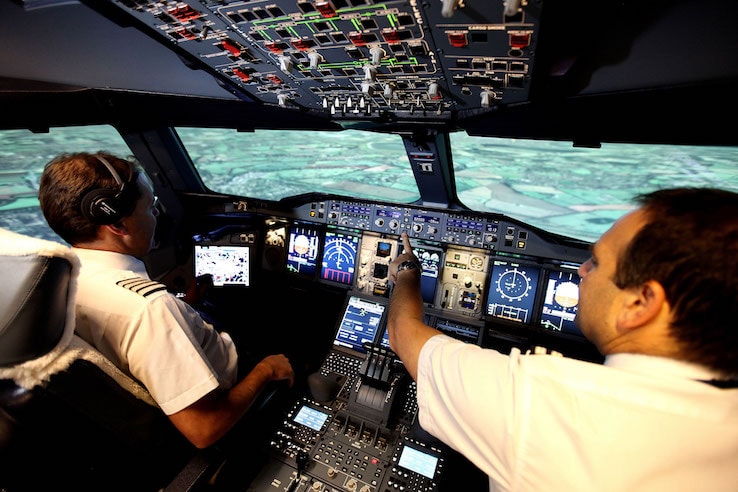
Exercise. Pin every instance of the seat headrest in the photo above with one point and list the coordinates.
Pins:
(37, 296)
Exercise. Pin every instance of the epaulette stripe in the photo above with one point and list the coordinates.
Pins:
(133, 282)
(141, 286)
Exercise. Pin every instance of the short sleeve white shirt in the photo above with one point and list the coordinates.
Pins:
(148, 333)
(545, 422)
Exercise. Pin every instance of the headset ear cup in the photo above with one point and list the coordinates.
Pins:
(102, 206)
(105, 206)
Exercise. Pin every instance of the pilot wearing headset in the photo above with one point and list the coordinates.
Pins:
(105, 208)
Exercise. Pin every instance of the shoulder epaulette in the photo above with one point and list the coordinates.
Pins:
(141, 286)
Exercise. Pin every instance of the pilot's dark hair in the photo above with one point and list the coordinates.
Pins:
(70, 178)
(690, 246)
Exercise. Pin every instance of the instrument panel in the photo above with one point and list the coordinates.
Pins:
(353, 59)
(478, 269)
(486, 279)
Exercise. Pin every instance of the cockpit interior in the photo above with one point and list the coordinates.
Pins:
(291, 142)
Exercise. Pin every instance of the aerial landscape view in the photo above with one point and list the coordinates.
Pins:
(550, 185)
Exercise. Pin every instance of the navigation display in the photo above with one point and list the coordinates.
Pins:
(512, 291)
(560, 302)
(228, 264)
(339, 257)
(302, 251)
(360, 323)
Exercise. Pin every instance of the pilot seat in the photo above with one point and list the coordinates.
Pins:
(68, 417)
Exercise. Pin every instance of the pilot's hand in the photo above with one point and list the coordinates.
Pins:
(280, 368)
(407, 255)
(198, 289)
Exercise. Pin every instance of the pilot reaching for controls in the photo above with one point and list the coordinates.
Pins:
(658, 300)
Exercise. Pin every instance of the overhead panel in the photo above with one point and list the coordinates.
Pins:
(356, 59)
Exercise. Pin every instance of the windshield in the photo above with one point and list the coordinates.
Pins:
(572, 191)
(275, 164)
(577, 191)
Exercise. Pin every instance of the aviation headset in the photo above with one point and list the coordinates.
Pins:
(105, 206)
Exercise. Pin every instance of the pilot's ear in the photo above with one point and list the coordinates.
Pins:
(119, 229)
(642, 305)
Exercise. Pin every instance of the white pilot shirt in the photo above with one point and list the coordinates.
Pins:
(148, 333)
(549, 423)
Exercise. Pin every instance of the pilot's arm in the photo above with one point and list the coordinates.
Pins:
(407, 331)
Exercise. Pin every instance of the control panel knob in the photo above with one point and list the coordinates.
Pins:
(379, 222)
(315, 58)
(389, 90)
(370, 73)
(394, 224)
(367, 88)
(512, 7)
(448, 7)
(434, 91)
(332, 472)
(285, 63)
(377, 54)
(283, 99)
(487, 97)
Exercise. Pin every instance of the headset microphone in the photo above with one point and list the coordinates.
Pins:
(108, 205)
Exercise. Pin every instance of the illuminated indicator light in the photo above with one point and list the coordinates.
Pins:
(457, 39)
(184, 14)
(273, 47)
(274, 79)
(185, 33)
(326, 9)
(391, 35)
(519, 39)
(301, 44)
(357, 39)
(231, 46)
(241, 74)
